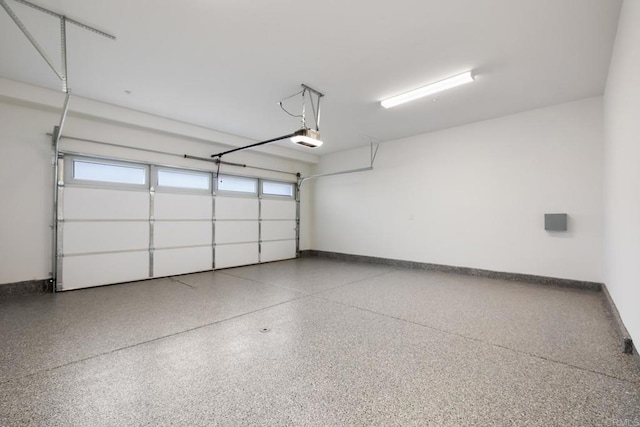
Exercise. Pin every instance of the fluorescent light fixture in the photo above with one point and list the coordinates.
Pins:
(427, 90)
(307, 137)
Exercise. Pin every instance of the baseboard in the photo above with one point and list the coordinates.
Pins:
(627, 343)
(527, 278)
(29, 287)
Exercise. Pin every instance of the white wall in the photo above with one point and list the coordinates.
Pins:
(622, 170)
(25, 187)
(26, 173)
(475, 195)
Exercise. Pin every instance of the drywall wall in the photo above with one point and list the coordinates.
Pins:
(622, 170)
(27, 173)
(475, 196)
(25, 186)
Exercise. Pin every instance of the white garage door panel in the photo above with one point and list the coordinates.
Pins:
(236, 208)
(106, 232)
(169, 262)
(276, 230)
(94, 203)
(274, 251)
(236, 231)
(95, 270)
(234, 255)
(79, 237)
(181, 233)
(278, 209)
(182, 206)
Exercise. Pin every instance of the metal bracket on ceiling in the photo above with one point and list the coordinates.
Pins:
(72, 21)
(373, 154)
(60, 73)
(315, 105)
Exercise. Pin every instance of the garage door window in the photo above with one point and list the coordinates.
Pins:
(281, 189)
(102, 172)
(185, 180)
(237, 184)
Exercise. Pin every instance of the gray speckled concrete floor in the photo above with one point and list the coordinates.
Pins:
(348, 344)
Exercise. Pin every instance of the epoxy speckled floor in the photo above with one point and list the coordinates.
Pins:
(347, 344)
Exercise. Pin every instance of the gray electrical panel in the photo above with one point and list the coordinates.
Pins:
(555, 222)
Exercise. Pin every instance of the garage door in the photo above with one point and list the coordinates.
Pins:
(121, 222)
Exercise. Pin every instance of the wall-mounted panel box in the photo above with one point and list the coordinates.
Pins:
(555, 222)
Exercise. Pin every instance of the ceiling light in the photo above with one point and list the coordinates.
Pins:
(307, 137)
(445, 84)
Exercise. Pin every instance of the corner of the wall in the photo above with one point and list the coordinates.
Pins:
(627, 342)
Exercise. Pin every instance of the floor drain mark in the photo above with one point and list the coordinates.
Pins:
(264, 330)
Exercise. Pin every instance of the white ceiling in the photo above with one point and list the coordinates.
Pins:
(223, 64)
